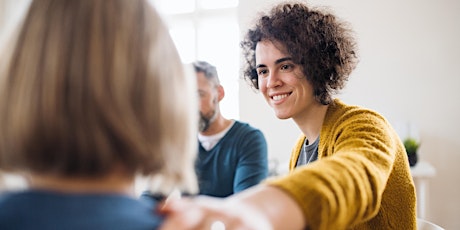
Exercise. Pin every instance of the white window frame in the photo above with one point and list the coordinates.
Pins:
(219, 47)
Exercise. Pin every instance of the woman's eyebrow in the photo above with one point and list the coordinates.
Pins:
(260, 66)
(283, 59)
(276, 62)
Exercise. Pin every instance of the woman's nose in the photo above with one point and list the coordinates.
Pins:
(273, 80)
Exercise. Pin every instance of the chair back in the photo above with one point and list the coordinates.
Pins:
(423, 224)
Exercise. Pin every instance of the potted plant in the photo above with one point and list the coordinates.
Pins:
(411, 146)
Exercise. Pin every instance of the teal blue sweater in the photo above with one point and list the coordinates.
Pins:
(238, 161)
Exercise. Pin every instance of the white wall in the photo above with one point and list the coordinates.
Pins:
(10, 15)
(410, 55)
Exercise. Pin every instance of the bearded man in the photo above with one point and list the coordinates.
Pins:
(232, 154)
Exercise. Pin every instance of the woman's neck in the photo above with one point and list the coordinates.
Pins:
(310, 123)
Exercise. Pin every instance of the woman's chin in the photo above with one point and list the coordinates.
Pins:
(282, 116)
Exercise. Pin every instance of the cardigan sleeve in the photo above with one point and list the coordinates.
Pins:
(345, 186)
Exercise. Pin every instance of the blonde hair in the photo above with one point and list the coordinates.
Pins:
(92, 84)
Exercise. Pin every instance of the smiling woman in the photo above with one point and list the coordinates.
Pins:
(348, 168)
(276, 68)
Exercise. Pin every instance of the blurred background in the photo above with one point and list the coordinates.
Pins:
(409, 52)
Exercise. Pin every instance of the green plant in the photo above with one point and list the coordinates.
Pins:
(411, 145)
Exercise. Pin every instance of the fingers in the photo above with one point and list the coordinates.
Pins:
(197, 214)
(179, 216)
(204, 213)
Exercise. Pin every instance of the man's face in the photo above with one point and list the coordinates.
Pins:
(209, 100)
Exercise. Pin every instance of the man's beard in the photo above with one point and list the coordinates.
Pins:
(205, 121)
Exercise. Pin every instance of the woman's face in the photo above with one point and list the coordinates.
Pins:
(282, 82)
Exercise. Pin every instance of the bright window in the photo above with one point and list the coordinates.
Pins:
(208, 30)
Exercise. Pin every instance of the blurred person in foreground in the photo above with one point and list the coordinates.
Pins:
(91, 97)
(348, 170)
(232, 155)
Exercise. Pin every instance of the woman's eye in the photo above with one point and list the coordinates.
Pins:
(286, 67)
(262, 72)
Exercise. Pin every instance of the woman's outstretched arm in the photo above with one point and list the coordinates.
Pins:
(261, 207)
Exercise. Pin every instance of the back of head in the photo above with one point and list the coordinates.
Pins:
(92, 85)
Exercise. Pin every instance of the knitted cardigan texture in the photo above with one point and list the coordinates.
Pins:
(361, 179)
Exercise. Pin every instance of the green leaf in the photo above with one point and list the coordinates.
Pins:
(411, 145)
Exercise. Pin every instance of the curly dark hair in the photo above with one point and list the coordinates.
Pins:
(314, 38)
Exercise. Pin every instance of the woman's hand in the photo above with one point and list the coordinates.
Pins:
(203, 213)
(258, 208)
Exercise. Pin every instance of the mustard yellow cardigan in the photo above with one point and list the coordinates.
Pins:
(361, 179)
